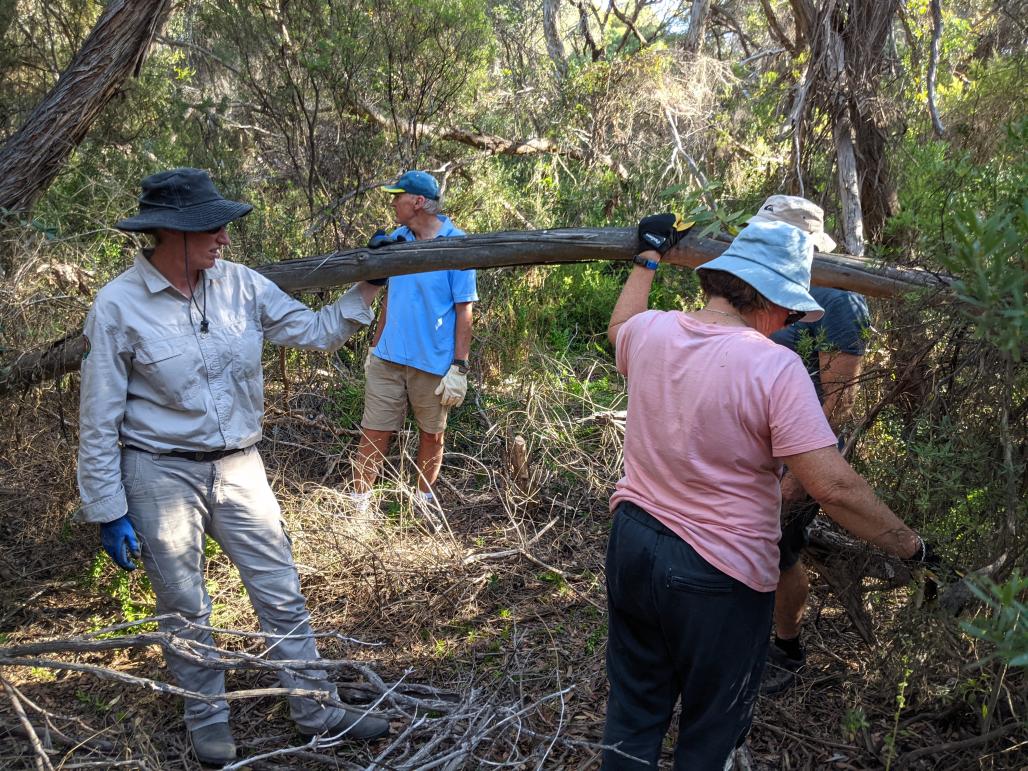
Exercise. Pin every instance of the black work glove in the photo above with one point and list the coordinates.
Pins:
(377, 241)
(925, 557)
(381, 238)
(661, 231)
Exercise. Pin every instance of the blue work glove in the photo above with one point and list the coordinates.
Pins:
(119, 541)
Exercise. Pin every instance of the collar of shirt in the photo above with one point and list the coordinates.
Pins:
(155, 281)
(448, 229)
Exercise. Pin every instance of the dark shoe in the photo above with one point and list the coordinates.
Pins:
(354, 724)
(213, 744)
(781, 670)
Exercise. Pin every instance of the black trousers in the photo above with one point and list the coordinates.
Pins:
(678, 628)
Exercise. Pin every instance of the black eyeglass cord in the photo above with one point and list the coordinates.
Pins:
(205, 325)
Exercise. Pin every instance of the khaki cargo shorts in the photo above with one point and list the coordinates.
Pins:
(389, 389)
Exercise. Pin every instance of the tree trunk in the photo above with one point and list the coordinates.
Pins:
(554, 45)
(114, 50)
(842, 133)
(693, 42)
(866, 36)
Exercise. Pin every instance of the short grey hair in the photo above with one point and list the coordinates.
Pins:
(432, 206)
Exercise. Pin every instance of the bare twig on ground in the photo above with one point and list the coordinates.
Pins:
(42, 760)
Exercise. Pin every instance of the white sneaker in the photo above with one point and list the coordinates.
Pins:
(361, 505)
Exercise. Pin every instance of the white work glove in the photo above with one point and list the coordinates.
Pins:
(367, 359)
(452, 388)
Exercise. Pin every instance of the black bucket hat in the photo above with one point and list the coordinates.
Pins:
(184, 200)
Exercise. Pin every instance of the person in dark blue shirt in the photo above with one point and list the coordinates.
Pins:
(832, 349)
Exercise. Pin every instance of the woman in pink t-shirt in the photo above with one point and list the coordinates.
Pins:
(714, 410)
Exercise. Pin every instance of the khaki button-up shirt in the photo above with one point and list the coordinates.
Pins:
(152, 379)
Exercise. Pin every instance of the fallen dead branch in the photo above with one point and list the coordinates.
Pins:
(441, 730)
(491, 250)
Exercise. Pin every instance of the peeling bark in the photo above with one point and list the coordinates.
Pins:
(842, 134)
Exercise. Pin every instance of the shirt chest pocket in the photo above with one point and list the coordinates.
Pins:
(248, 347)
(167, 371)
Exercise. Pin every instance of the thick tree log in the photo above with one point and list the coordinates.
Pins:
(114, 50)
(539, 247)
(492, 250)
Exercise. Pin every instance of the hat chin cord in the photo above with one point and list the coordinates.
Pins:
(205, 325)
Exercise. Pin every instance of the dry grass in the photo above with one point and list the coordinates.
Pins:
(488, 636)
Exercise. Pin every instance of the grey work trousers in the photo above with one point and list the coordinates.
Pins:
(173, 503)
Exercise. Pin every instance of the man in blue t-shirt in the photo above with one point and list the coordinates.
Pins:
(419, 354)
(832, 349)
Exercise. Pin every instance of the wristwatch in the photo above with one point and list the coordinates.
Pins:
(645, 262)
(461, 365)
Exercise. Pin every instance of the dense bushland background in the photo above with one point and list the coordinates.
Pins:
(537, 115)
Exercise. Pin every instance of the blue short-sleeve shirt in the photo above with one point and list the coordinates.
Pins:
(421, 319)
(843, 328)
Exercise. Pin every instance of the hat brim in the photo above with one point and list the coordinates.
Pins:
(823, 242)
(774, 286)
(193, 219)
(395, 190)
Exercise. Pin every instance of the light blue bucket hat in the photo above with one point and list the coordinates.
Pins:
(774, 258)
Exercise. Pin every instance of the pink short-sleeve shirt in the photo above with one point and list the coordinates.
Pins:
(711, 409)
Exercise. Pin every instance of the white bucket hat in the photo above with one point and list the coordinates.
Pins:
(800, 213)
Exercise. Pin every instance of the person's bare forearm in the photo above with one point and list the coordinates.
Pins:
(462, 331)
(849, 500)
(867, 517)
(634, 297)
(840, 373)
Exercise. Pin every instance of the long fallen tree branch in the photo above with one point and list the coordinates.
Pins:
(492, 250)
(543, 247)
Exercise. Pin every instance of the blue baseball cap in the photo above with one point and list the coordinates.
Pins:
(774, 258)
(415, 183)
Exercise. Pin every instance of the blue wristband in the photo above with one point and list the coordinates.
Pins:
(645, 262)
